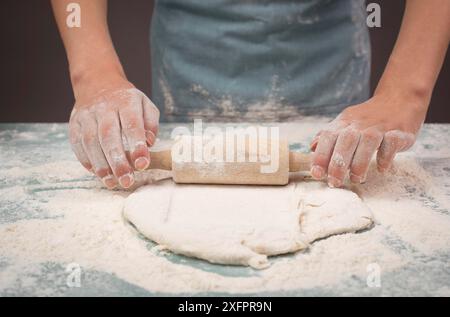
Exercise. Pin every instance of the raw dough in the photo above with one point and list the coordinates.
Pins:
(242, 225)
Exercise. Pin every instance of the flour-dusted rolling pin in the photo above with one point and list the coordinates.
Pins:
(270, 169)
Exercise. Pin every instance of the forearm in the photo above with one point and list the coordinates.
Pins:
(89, 48)
(419, 52)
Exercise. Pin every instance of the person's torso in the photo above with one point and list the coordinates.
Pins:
(258, 59)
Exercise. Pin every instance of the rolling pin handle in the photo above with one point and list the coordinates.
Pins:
(299, 162)
(161, 160)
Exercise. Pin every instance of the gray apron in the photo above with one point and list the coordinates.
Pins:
(255, 60)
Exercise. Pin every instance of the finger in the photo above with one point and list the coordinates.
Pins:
(393, 142)
(77, 146)
(344, 150)
(93, 150)
(322, 155)
(335, 125)
(111, 143)
(132, 122)
(368, 144)
(313, 144)
(151, 120)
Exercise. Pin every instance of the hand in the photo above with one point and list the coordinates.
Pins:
(97, 125)
(384, 123)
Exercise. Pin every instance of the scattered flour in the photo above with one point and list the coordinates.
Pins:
(89, 230)
(66, 216)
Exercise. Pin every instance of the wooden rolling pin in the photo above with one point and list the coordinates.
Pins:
(244, 173)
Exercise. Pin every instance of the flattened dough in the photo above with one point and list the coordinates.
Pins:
(243, 225)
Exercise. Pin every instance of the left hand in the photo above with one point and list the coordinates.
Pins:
(383, 124)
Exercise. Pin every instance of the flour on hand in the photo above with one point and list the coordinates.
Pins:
(243, 225)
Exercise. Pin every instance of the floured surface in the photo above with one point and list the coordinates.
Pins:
(242, 225)
(53, 213)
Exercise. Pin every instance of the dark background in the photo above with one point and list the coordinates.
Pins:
(35, 85)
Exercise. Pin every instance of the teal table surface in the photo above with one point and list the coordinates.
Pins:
(37, 166)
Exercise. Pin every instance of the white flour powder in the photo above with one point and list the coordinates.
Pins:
(87, 228)
(65, 216)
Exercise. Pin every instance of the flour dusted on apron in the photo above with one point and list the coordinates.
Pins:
(258, 59)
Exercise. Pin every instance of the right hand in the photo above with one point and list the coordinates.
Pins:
(96, 127)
